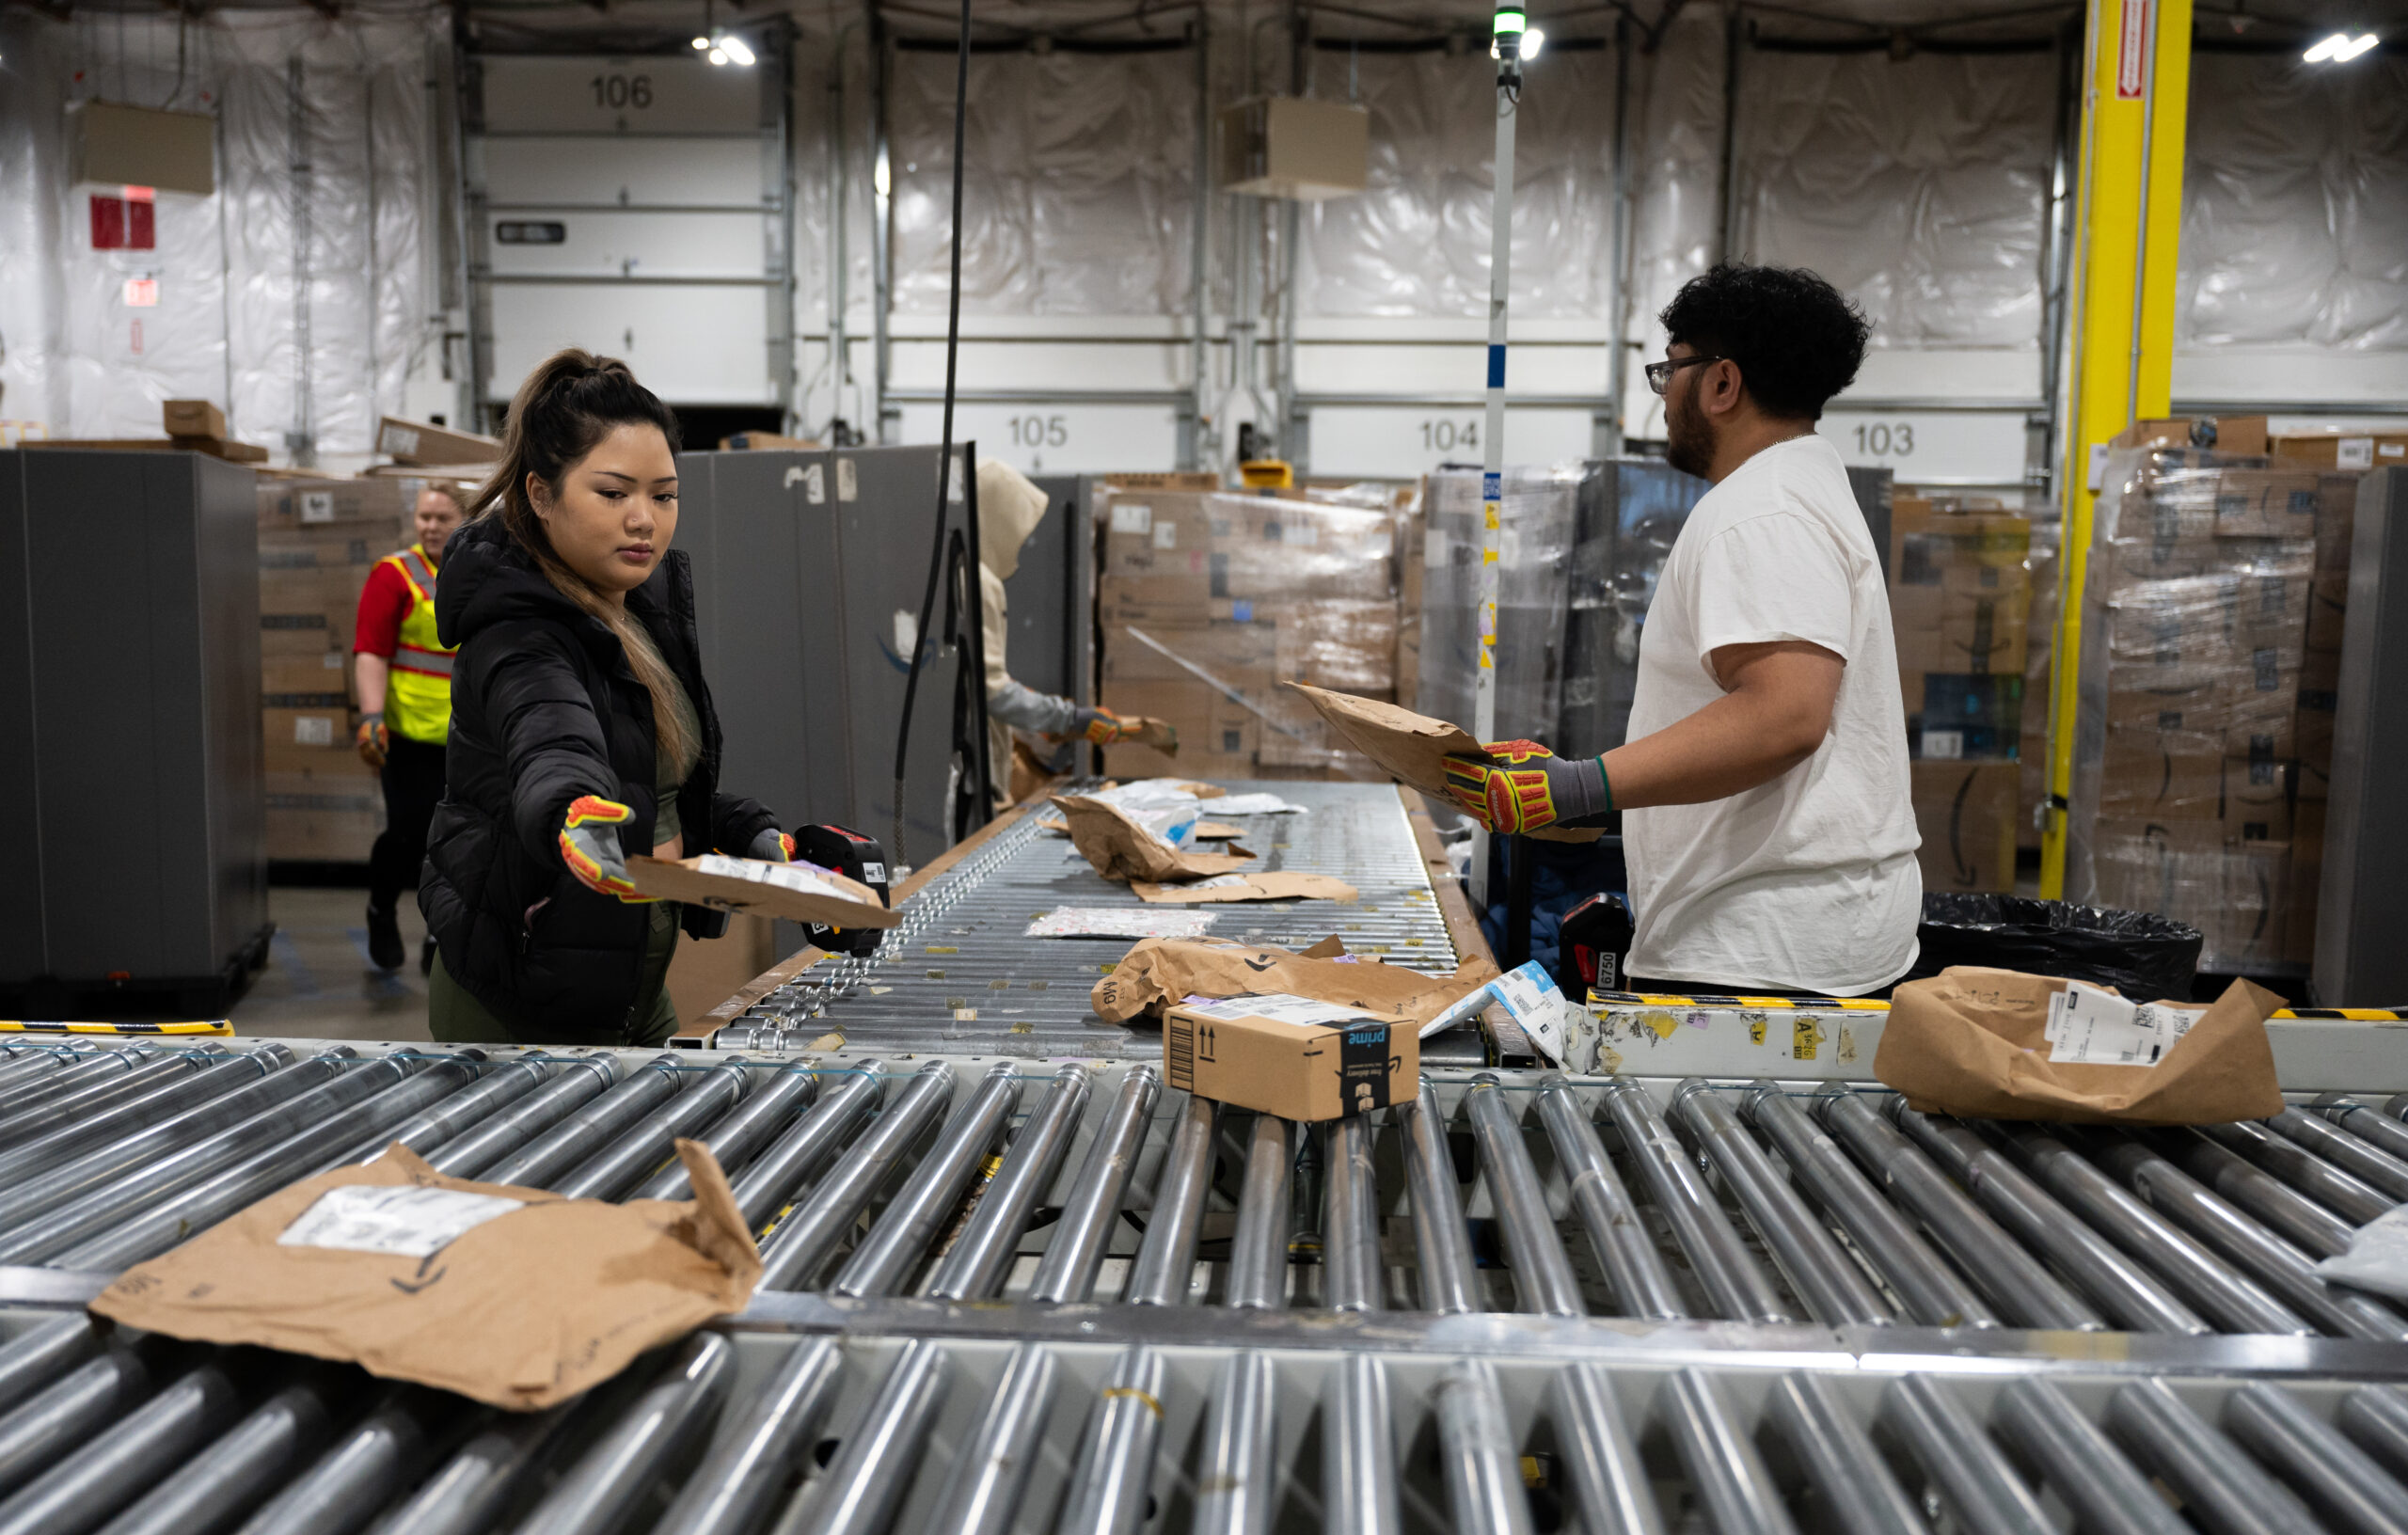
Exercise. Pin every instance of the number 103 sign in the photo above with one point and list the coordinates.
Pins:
(1933, 447)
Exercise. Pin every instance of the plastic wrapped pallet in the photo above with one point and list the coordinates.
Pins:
(1537, 517)
(2186, 753)
(1630, 510)
(1209, 601)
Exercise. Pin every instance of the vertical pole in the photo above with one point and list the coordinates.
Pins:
(1194, 436)
(1617, 264)
(881, 227)
(839, 235)
(2136, 93)
(1508, 44)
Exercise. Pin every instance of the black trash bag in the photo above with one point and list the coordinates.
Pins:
(2145, 956)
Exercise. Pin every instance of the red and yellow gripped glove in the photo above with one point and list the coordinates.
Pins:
(772, 847)
(1527, 787)
(590, 847)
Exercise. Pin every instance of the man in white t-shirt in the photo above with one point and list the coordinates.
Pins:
(1764, 788)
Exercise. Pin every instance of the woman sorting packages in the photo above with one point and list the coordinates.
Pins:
(581, 729)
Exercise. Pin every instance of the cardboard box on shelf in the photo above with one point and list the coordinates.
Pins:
(1298, 1059)
(2266, 503)
(192, 419)
(2267, 608)
(2263, 727)
(2248, 930)
(1967, 813)
(1242, 654)
(2342, 449)
(333, 590)
(1198, 480)
(1242, 547)
(1349, 645)
(2174, 867)
(423, 442)
(2259, 677)
(1293, 147)
(330, 814)
(321, 680)
(1216, 735)
(1977, 618)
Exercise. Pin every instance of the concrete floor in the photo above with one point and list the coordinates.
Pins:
(318, 982)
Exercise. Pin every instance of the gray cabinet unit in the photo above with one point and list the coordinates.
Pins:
(2360, 960)
(130, 747)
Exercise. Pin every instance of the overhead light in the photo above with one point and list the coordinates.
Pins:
(734, 47)
(1532, 42)
(701, 43)
(2340, 48)
(716, 55)
(881, 178)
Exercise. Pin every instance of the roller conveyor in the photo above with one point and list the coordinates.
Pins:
(1017, 1282)
(959, 975)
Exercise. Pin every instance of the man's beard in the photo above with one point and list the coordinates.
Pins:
(1689, 442)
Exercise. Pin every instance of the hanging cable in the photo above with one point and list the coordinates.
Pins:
(944, 459)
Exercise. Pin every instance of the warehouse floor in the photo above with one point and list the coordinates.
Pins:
(318, 982)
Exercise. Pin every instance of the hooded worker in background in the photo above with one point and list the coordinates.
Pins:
(1010, 509)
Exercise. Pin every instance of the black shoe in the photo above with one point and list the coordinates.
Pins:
(385, 938)
(426, 957)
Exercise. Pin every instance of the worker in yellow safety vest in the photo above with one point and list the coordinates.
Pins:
(404, 672)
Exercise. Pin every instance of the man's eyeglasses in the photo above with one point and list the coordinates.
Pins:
(1660, 373)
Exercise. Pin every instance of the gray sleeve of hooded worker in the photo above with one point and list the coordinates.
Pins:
(1025, 708)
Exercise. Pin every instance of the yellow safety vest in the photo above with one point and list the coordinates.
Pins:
(418, 689)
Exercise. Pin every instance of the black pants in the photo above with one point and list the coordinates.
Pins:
(413, 780)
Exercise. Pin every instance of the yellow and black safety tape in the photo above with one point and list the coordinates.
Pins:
(220, 1027)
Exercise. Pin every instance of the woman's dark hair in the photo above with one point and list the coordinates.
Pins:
(1797, 340)
(566, 406)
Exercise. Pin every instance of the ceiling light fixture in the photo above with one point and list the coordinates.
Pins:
(2340, 48)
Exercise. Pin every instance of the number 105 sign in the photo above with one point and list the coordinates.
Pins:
(1933, 447)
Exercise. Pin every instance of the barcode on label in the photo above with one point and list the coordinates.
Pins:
(1178, 1052)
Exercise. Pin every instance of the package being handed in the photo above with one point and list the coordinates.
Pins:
(1159, 972)
(1999, 1044)
(513, 1296)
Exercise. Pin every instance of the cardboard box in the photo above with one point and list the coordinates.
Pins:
(1244, 655)
(706, 971)
(2160, 779)
(2328, 606)
(321, 680)
(2257, 800)
(1967, 814)
(1294, 1064)
(2232, 433)
(1199, 480)
(1338, 642)
(312, 503)
(2261, 676)
(1217, 736)
(420, 442)
(2249, 928)
(2266, 503)
(329, 817)
(192, 419)
(325, 546)
(299, 740)
(2147, 864)
(1293, 147)
(2339, 448)
(1249, 547)
(1975, 618)
(113, 145)
(2337, 515)
(2263, 727)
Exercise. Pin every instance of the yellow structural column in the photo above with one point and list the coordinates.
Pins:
(2136, 98)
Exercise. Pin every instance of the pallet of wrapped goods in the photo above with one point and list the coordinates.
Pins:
(324, 804)
(2188, 757)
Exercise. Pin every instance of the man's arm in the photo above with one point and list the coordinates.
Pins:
(1774, 712)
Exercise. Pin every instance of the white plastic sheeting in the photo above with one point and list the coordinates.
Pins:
(239, 285)
(1415, 242)
(1079, 186)
(1918, 186)
(2295, 204)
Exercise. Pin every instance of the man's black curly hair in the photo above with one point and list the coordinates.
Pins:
(1796, 339)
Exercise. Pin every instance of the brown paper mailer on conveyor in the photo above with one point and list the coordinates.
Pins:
(802, 893)
(1272, 885)
(1972, 1041)
(1162, 970)
(1412, 747)
(1119, 849)
(1215, 832)
(513, 1296)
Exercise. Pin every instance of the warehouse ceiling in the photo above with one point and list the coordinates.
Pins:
(1902, 27)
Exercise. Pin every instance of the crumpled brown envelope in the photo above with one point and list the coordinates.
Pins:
(1119, 849)
(1971, 1041)
(524, 1310)
(1412, 747)
(1162, 970)
(1269, 885)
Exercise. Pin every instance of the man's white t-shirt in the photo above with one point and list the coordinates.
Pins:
(1808, 882)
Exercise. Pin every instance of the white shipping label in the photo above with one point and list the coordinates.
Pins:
(2354, 453)
(873, 874)
(1166, 535)
(317, 506)
(313, 730)
(849, 481)
(1943, 745)
(399, 1220)
(1279, 1006)
(802, 878)
(2090, 1026)
(1137, 519)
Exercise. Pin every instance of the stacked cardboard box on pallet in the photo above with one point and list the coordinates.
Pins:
(1209, 601)
(318, 541)
(1960, 605)
(2188, 759)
